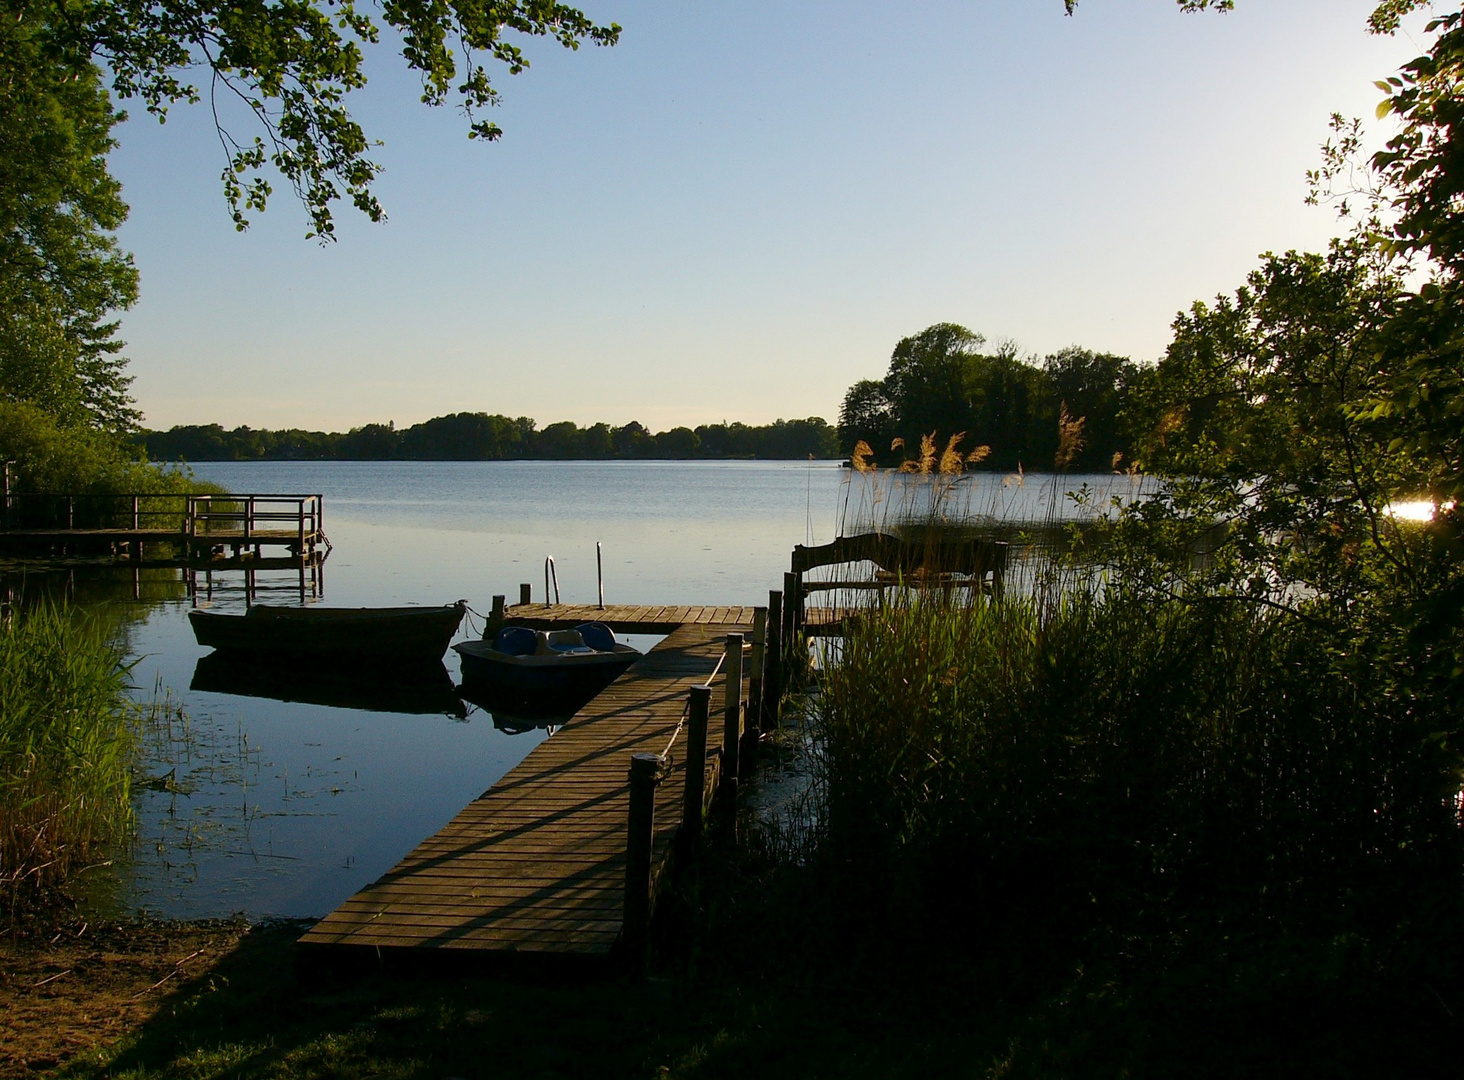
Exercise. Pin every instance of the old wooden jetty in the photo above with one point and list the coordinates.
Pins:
(262, 531)
(561, 860)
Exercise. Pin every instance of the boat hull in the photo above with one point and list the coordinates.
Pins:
(396, 634)
(556, 676)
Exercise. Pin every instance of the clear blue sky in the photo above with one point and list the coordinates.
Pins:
(739, 210)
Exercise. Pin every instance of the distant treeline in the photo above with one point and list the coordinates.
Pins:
(485, 437)
(942, 382)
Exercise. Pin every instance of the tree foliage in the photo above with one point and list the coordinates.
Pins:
(290, 64)
(1421, 192)
(62, 277)
(490, 437)
(1294, 418)
(941, 382)
(1254, 414)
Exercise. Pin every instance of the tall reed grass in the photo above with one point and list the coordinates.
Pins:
(65, 750)
(1084, 759)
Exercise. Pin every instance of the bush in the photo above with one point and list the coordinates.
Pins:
(53, 457)
(95, 466)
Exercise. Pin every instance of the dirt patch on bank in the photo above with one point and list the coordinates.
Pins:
(70, 991)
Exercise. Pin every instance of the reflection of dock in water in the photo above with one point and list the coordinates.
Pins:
(422, 688)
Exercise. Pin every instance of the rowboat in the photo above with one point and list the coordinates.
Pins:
(394, 634)
(555, 663)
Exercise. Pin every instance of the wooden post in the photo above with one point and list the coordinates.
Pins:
(495, 617)
(696, 763)
(300, 529)
(526, 594)
(249, 518)
(773, 670)
(645, 777)
(790, 624)
(134, 514)
(6, 491)
(755, 676)
(71, 511)
(732, 714)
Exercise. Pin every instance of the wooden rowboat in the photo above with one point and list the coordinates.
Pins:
(395, 634)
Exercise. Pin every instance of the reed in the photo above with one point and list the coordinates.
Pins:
(1083, 757)
(65, 750)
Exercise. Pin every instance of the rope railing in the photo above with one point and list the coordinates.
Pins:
(665, 755)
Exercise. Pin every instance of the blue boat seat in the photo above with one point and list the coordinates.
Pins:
(597, 636)
(516, 641)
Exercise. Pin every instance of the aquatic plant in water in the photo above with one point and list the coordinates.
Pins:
(65, 750)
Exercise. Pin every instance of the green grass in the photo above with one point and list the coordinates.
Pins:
(65, 750)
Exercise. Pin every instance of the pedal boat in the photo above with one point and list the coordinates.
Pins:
(557, 662)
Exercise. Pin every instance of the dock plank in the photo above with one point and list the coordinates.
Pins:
(625, 618)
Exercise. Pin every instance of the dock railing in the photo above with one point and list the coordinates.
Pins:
(740, 731)
(248, 518)
(920, 564)
(197, 525)
(56, 511)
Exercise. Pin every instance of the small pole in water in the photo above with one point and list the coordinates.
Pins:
(600, 573)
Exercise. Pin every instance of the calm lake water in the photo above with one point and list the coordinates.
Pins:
(285, 808)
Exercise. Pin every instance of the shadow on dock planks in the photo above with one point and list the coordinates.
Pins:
(532, 873)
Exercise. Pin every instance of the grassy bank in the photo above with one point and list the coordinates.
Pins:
(1082, 839)
(65, 751)
(1176, 828)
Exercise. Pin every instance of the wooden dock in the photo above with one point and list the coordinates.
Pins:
(535, 869)
(561, 860)
(204, 531)
(651, 619)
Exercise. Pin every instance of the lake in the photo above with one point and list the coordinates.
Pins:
(285, 808)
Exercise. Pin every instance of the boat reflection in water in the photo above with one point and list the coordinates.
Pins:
(517, 712)
(419, 687)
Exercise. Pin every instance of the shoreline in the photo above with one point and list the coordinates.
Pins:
(75, 989)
